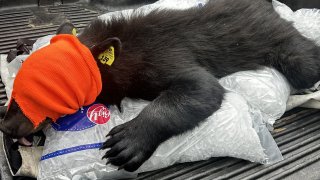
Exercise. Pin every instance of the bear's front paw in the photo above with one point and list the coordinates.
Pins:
(130, 145)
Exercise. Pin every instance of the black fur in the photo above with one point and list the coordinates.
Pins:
(174, 58)
(65, 28)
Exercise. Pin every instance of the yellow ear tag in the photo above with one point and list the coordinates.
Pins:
(107, 56)
(74, 31)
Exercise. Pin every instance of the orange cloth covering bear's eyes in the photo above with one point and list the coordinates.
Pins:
(57, 80)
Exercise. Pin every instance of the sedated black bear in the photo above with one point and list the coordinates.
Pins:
(174, 58)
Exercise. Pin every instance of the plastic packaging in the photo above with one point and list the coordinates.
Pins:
(307, 22)
(266, 90)
(71, 147)
(41, 42)
(160, 4)
(9, 71)
(235, 130)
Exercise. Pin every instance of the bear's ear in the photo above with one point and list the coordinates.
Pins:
(107, 51)
(67, 28)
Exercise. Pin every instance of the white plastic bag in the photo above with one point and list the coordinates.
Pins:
(307, 22)
(41, 42)
(71, 147)
(9, 72)
(236, 130)
(266, 90)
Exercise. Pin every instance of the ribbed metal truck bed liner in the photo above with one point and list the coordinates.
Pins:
(297, 133)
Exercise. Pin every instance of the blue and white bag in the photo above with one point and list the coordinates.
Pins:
(72, 146)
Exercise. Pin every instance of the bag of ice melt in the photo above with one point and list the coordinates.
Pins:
(72, 146)
(266, 90)
(306, 21)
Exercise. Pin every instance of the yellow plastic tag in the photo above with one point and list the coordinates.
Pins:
(107, 56)
(74, 31)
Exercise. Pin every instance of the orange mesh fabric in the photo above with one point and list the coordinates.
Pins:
(57, 80)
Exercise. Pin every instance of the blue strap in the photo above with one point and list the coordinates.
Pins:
(71, 150)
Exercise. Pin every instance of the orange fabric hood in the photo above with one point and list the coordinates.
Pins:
(57, 80)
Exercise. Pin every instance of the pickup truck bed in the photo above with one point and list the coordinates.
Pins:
(297, 133)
